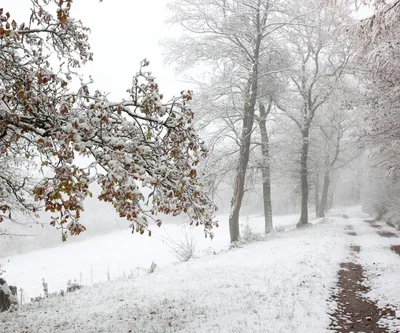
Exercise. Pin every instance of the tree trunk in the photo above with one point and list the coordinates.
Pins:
(330, 198)
(324, 196)
(304, 180)
(250, 100)
(316, 194)
(265, 167)
(295, 206)
(243, 161)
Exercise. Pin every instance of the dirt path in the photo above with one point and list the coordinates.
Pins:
(383, 233)
(350, 230)
(355, 313)
(387, 234)
(395, 249)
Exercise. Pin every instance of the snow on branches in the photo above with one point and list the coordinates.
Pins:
(382, 25)
(143, 152)
(380, 35)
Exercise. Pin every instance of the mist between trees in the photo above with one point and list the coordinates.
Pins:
(294, 110)
(296, 102)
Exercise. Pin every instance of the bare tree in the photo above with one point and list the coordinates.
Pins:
(379, 62)
(234, 34)
(320, 54)
(265, 165)
(137, 143)
(336, 127)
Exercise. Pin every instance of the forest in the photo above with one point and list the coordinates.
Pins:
(267, 126)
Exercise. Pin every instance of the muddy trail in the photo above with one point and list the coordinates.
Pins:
(355, 312)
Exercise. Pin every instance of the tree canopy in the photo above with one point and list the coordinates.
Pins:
(142, 151)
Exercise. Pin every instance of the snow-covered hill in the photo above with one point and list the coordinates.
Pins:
(278, 285)
(117, 254)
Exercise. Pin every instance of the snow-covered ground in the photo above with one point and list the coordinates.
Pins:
(382, 269)
(281, 284)
(117, 254)
(380, 264)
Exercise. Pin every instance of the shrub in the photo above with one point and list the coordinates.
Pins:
(45, 288)
(248, 234)
(73, 286)
(152, 268)
(183, 248)
(8, 297)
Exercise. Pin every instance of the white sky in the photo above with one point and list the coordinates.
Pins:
(123, 32)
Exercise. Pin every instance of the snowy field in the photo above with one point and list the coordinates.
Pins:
(117, 254)
(278, 285)
(382, 267)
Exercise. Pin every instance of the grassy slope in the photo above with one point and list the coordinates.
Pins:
(279, 285)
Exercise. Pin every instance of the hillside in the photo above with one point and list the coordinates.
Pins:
(286, 283)
(117, 254)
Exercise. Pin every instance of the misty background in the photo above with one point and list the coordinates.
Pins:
(117, 55)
